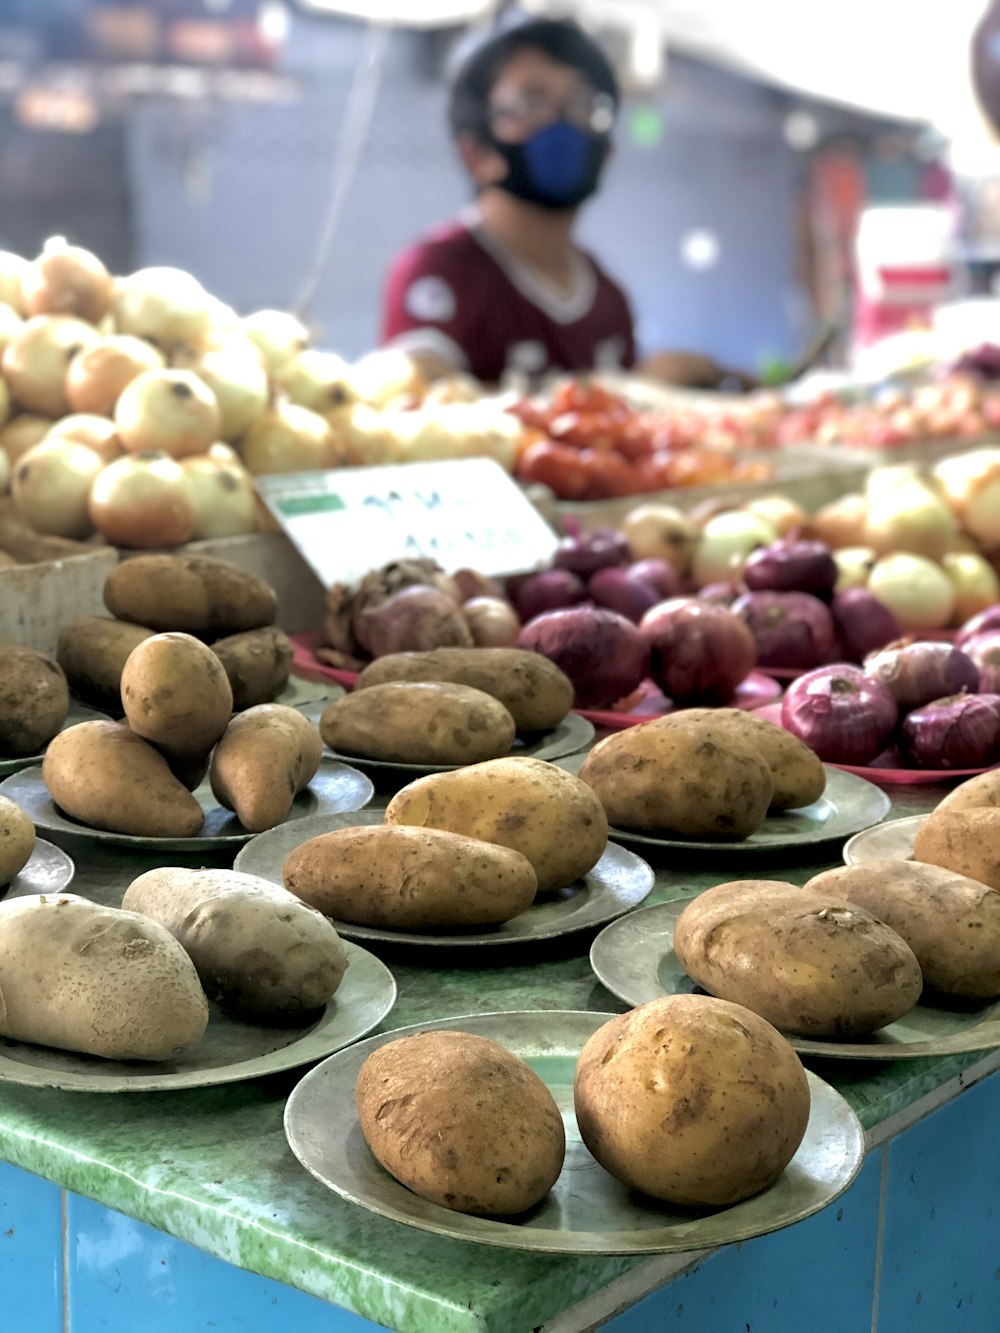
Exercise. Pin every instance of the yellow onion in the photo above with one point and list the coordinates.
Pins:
(239, 383)
(96, 378)
(317, 380)
(97, 433)
(142, 500)
(360, 436)
(13, 270)
(287, 438)
(222, 496)
(11, 324)
(163, 305)
(51, 485)
(661, 531)
(841, 522)
(22, 433)
(67, 280)
(169, 410)
(381, 376)
(36, 361)
(4, 402)
(279, 335)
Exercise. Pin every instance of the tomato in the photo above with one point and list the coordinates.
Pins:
(558, 466)
(653, 473)
(634, 438)
(608, 474)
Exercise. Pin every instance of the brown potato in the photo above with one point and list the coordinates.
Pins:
(692, 1100)
(687, 781)
(461, 1121)
(798, 776)
(951, 923)
(806, 963)
(176, 693)
(410, 878)
(532, 689)
(980, 792)
(533, 807)
(964, 840)
(104, 775)
(419, 722)
(266, 757)
(34, 700)
(17, 839)
(258, 663)
(93, 650)
(191, 593)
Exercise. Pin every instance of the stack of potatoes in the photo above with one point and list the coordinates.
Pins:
(178, 694)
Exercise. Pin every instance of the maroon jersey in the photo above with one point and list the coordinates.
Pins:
(466, 298)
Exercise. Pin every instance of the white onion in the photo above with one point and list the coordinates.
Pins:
(11, 324)
(51, 485)
(22, 433)
(36, 360)
(142, 500)
(223, 499)
(915, 589)
(279, 335)
(725, 542)
(240, 386)
(975, 583)
(67, 280)
(317, 380)
(97, 433)
(162, 305)
(287, 438)
(96, 378)
(660, 532)
(854, 565)
(13, 270)
(169, 410)
(909, 517)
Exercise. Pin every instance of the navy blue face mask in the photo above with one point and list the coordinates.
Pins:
(557, 167)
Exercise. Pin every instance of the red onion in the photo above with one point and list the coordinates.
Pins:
(415, 619)
(959, 732)
(550, 590)
(619, 590)
(840, 713)
(984, 650)
(588, 552)
(723, 594)
(791, 566)
(915, 672)
(701, 651)
(659, 574)
(602, 653)
(863, 623)
(493, 622)
(790, 629)
(978, 624)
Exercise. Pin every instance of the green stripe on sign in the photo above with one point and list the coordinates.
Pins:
(310, 504)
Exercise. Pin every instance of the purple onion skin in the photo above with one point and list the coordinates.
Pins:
(603, 654)
(984, 650)
(863, 623)
(700, 651)
(619, 590)
(549, 590)
(840, 713)
(915, 673)
(588, 552)
(962, 731)
(791, 629)
(722, 594)
(659, 574)
(792, 566)
(978, 624)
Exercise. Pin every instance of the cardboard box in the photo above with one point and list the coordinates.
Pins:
(37, 600)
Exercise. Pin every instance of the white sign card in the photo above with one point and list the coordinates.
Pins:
(464, 513)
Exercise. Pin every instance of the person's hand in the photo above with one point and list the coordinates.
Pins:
(692, 370)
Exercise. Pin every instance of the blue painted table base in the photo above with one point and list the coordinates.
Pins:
(913, 1247)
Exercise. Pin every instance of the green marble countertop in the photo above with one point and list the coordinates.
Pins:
(212, 1166)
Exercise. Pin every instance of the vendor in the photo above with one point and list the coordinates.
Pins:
(504, 287)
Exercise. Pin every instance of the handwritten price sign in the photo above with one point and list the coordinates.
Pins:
(466, 513)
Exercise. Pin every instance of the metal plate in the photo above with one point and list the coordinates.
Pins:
(634, 958)
(306, 694)
(893, 841)
(573, 733)
(77, 713)
(47, 870)
(230, 1051)
(335, 787)
(587, 1210)
(849, 803)
(620, 880)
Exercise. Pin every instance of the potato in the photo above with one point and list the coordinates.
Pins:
(259, 951)
(798, 776)
(17, 840)
(93, 650)
(532, 689)
(258, 663)
(805, 962)
(104, 775)
(266, 757)
(410, 878)
(192, 593)
(688, 781)
(980, 792)
(692, 1100)
(550, 816)
(964, 840)
(34, 700)
(419, 722)
(461, 1121)
(176, 693)
(95, 979)
(951, 923)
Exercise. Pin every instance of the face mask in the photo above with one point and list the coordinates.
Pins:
(558, 167)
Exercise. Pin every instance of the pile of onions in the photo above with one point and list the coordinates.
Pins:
(843, 715)
(959, 732)
(603, 654)
(914, 673)
(700, 651)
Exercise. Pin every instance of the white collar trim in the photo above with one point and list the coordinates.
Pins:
(562, 308)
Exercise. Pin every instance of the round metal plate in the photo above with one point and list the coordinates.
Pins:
(892, 841)
(230, 1051)
(77, 713)
(634, 958)
(335, 787)
(47, 870)
(620, 881)
(587, 1211)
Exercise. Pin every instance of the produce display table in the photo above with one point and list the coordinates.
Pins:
(117, 1212)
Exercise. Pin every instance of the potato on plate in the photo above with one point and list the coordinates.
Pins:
(964, 839)
(258, 663)
(267, 755)
(34, 700)
(176, 694)
(92, 651)
(798, 776)
(17, 840)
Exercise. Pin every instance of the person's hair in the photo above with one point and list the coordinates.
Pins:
(562, 40)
